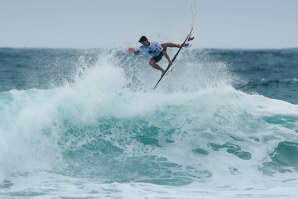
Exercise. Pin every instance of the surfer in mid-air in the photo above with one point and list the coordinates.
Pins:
(156, 51)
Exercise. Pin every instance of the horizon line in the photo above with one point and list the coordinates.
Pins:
(194, 48)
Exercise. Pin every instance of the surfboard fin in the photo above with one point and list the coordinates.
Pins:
(190, 38)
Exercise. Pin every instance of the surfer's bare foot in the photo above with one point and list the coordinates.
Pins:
(162, 72)
(185, 45)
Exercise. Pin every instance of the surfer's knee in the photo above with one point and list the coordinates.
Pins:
(152, 62)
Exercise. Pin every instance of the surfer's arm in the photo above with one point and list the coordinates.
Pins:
(167, 57)
(136, 52)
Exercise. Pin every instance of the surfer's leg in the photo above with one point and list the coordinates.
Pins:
(165, 45)
(152, 63)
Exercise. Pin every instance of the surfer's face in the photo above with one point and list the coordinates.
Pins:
(145, 43)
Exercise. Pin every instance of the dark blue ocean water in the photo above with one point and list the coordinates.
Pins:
(87, 124)
(272, 73)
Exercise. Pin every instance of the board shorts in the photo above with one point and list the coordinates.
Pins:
(158, 57)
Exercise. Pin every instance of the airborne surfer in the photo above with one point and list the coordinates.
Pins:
(156, 51)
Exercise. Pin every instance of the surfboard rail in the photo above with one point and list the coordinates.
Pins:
(174, 58)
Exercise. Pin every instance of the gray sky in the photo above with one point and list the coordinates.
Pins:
(119, 23)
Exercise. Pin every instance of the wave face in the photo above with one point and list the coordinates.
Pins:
(96, 126)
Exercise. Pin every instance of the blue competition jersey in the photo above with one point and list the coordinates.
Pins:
(152, 50)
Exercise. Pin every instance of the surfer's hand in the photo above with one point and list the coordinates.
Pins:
(131, 50)
(170, 63)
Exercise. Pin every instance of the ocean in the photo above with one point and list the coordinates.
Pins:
(86, 123)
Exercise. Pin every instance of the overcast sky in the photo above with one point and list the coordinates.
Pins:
(119, 23)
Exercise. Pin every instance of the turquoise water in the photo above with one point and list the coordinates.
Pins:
(100, 131)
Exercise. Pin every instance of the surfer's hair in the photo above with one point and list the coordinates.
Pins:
(143, 38)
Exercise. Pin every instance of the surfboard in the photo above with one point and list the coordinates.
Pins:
(174, 58)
